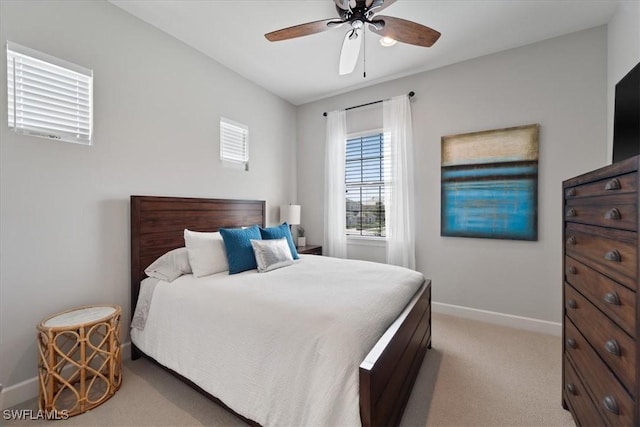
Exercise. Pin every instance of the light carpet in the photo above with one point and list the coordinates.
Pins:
(476, 374)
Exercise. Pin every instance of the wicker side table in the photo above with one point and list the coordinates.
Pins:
(80, 364)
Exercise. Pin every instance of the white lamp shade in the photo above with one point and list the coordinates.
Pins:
(290, 214)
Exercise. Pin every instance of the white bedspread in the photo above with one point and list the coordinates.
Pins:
(281, 348)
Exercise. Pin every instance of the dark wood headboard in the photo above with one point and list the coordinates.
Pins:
(158, 223)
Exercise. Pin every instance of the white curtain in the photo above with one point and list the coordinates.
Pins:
(335, 240)
(399, 186)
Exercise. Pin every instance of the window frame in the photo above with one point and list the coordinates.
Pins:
(363, 239)
(56, 95)
(242, 133)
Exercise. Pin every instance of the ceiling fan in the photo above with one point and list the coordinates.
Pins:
(357, 13)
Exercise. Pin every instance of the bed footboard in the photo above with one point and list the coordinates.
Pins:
(390, 369)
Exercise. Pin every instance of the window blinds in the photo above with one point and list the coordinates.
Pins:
(234, 143)
(47, 96)
(364, 180)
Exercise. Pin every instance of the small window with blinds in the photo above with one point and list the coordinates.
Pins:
(48, 97)
(364, 179)
(234, 144)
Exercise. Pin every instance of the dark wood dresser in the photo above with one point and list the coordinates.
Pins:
(601, 354)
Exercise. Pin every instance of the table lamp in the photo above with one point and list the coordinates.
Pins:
(290, 214)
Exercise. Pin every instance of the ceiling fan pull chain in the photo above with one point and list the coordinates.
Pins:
(364, 54)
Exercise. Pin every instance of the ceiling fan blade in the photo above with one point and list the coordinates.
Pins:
(350, 51)
(406, 31)
(303, 30)
(378, 5)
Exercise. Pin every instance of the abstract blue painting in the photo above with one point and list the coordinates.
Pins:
(490, 184)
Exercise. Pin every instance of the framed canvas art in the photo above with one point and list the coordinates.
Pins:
(490, 184)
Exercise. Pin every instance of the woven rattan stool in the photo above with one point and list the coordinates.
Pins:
(80, 362)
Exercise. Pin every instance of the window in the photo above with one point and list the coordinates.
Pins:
(48, 97)
(234, 144)
(364, 178)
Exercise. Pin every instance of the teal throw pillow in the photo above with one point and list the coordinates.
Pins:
(237, 243)
(278, 233)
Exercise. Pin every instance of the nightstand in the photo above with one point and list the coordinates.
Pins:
(80, 362)
(310, 250)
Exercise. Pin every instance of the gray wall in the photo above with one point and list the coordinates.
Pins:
(65, 208)
(558, 83)
(623, 54)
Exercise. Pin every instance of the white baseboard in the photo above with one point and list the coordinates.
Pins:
(28, 389)
(508, 320)
(125, 351)
(18, 393)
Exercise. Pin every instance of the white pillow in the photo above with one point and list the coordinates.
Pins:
(206, 252)
(272, 254)
(170, 266)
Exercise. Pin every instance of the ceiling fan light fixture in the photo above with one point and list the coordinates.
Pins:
(387, 41)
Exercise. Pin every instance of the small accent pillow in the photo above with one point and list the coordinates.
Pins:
(206, 252)
(272, 254)
(278, 233)
(170, 266)
(237, 243)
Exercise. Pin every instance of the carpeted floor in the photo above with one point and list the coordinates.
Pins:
(476, 374)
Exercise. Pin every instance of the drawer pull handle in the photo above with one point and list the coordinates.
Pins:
(613, 214)
(571, 303)
(571, 192)
(613, 255)
(571, 343)
(612, 347)
(611, 405)
(572, 269)
(571, 213)
(571, 388)
(612, 298)
(613, 184)
(571, 240)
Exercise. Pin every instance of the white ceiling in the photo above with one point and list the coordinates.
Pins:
(306, 69)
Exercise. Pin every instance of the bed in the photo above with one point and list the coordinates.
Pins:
(387, 372)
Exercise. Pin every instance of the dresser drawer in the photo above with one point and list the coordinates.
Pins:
(618, 408)
(627, 183)
(613, 345)
(616, 301)
(613, 253)
(576, 394)
(619, 211)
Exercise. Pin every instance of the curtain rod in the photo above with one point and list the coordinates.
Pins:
(411, 95)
